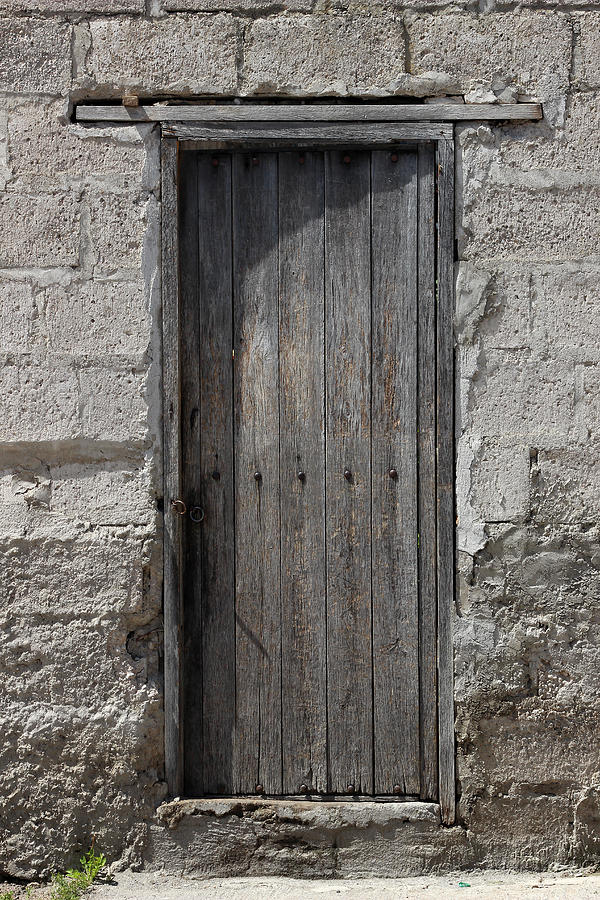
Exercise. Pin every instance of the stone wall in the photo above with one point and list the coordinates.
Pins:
(80, 657)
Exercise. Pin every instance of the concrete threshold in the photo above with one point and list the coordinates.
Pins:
(305, 839)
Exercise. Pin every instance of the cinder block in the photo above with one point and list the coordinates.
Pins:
(83, 701)
(94, 575)
(113, 406)
(587, 50)
(565, 302)
(533, 49)
(97, 320)
(493, 307)
(36, 56)
(521, 398)
(38, 403)
(118, 225)
(587, 401)
(106, 494)
(19, 316)
(47, 153)
(519, 222)
(573, 147)
(244, 6)
(566, 484)
(500, 480)
(534, 570)
(75, 6)
(323, 54)
(550, 4)
(107, 321)
(175, 55)
(41, 230)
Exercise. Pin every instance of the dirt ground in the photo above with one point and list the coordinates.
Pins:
(470, 885)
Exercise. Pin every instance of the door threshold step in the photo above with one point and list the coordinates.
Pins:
(226, 837)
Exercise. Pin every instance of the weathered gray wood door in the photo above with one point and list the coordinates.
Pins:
(308, 416)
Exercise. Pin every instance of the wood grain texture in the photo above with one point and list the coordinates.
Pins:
(348, 447)
(384, 112)
(173, 616)
(190, 474)
(309, 133)
(257, 756)
(217, 493)
(445, 477)
(317, 595)
(302, 386)
(394, 446)
(426, 418)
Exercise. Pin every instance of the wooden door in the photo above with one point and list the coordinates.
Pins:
(308, 410)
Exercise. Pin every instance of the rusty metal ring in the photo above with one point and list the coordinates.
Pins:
(178, 507)
(196, 514)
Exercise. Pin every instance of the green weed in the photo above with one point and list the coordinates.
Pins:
(75, 882)
(7, 895)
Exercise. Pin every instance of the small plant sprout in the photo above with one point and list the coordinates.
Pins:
(75, 882)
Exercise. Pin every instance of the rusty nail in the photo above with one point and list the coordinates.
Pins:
(393, 473)
(301, 159)
(302, 476)
(260, 789)
(394, 157)
(216, 475)
(350, 788)
(215, 161)
(347, 159)
(304, 789)
(257, 476)
(397, 789)
(347, 474)
(255, 160)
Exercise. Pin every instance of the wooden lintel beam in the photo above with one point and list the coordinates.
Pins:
(390, 113)
(308, 133)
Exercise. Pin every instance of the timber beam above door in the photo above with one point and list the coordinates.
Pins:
(311, 112)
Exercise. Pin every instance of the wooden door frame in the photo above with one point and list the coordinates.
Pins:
(279, 134)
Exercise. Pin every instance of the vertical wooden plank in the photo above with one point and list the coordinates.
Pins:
(190, 473)
(427, 475)
(256, 439)
(445, 475)
(394, 450)
(348, 448)
(171, 468)
(301, 349)
(217, 493)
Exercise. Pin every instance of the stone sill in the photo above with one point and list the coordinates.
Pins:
(338, 838)
(329, 814)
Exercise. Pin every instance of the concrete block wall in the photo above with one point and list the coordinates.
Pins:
(80, 455)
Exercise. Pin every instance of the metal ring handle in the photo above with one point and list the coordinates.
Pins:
(178, 507)
(197, 514)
